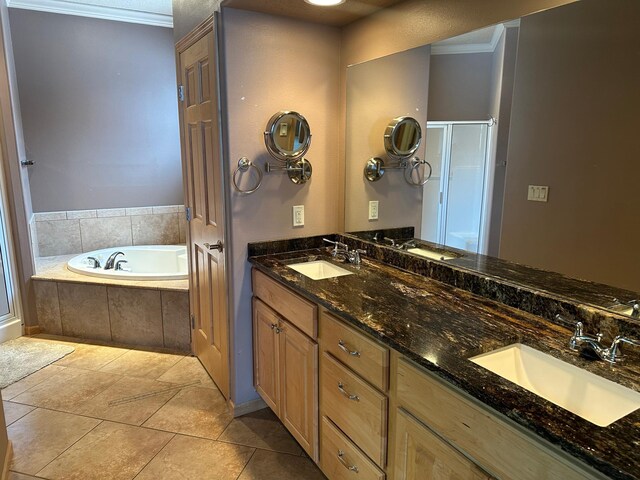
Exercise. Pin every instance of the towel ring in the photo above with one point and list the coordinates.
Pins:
(244, 164)
(413, 165)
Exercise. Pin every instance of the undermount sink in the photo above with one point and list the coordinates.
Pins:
(596, 399)
(319, 270)
(432, 254)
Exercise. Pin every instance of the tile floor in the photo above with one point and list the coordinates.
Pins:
(118, 414)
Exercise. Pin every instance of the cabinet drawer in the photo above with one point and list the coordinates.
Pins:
(494, 444)
(289, 305)
(357, 408)
(338, 453)
(360, 353)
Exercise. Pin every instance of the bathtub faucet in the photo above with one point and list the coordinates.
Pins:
(111, 260)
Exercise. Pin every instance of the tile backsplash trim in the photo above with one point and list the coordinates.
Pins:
(78, 231)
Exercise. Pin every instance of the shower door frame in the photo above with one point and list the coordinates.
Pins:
(488, 176)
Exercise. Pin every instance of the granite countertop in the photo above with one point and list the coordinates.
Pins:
(55, 269)
(439, 327)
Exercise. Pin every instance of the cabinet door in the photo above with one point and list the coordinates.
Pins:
(421, 455)
(265, 354)
(298, 387)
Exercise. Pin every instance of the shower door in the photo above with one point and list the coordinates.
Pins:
(455, 203)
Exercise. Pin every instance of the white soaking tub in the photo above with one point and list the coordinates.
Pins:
(144, 262)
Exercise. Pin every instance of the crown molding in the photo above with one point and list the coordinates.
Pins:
(487, 47)
(94, 11)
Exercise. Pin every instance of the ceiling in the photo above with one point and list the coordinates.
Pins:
(148, 12)
(337, 16)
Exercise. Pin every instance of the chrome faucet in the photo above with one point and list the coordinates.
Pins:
(634, 304)
(342, 250)
(111, 260)
(592, 345)
(408, 244)
(94, 262)
(390, 240)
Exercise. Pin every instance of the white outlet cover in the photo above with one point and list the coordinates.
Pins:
(373, 210)
(298, 215)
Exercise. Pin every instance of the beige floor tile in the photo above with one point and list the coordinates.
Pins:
(66, 390)
(14, 411)
(26, 383)
(129, 400)
(261, 429)
(42, 435)
(137, 363)
(91, 357)
(110, 451)
(189, 458)
(197, 411)
(20, 476)
(188, 370)
(281, 466)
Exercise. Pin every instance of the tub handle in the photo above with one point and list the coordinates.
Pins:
(215, 246)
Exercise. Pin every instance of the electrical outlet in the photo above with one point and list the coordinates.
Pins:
(298, 215)
(538, 193)
(373, 210)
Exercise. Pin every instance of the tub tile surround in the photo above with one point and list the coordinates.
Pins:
(131, 316)
(439, 327)
(77, 231)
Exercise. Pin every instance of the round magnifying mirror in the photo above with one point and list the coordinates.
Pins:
(287, 136)
(402, 137)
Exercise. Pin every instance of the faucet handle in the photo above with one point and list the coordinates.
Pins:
(612, 354)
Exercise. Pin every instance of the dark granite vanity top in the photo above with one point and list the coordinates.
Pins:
(439, 327)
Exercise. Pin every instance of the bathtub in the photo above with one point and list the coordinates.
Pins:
(145, 262)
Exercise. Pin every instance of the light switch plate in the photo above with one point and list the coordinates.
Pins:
(298, 215)
(538, 193)
(373, 210)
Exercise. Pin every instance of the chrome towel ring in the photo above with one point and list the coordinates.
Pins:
(244, 165)
(412, 166)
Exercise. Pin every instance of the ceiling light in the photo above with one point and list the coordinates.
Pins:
(325, 3)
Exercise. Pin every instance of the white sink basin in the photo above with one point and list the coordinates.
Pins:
(423, 252)
(593, 398)
(319, 270)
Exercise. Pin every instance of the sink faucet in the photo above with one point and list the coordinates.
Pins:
(634, 304)
(592, 345)
(408, 244)
(342, 250)
(111, 260)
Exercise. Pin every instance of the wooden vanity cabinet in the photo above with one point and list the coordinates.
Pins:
(286, 360)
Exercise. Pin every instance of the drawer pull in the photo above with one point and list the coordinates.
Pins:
(355, 398)
(344, 348)
(351, 468)
(276, 328)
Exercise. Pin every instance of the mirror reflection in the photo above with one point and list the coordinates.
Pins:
(287, 135)
(402, 137)
(530, 129)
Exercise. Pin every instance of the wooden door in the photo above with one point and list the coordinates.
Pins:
(265, 354)
(421, 455)
(298, 362)
(202, 160)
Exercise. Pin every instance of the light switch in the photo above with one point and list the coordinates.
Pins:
(538, 193)
(298, 215)
(373, 210)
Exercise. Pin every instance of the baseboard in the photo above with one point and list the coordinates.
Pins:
(7, 462)
(34, 330)
(247, 407)
(10, 330)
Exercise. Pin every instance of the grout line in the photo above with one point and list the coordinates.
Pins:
(21, 416)
(152, 458)
(70, 446)
(246, 464)
(162, 318)
(109, 313)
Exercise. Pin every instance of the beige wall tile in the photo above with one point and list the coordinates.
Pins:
(46, 216)
(136, 316)
(42, 435)
(137, 363)
(282, 466)
(48, 307)
(111, 450)
(111, 212)
(183, 226)
(139, 211)
(197, 458)
(166, 209)
(155, 229)
(83, 310)
(106, 232)
(59, 237)
(200, 412)
(175, 320)
(261, 429)
(73, 214)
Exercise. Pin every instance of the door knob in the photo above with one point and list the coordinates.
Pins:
(215, 246)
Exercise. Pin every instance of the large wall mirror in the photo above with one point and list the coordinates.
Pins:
(531, 129)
